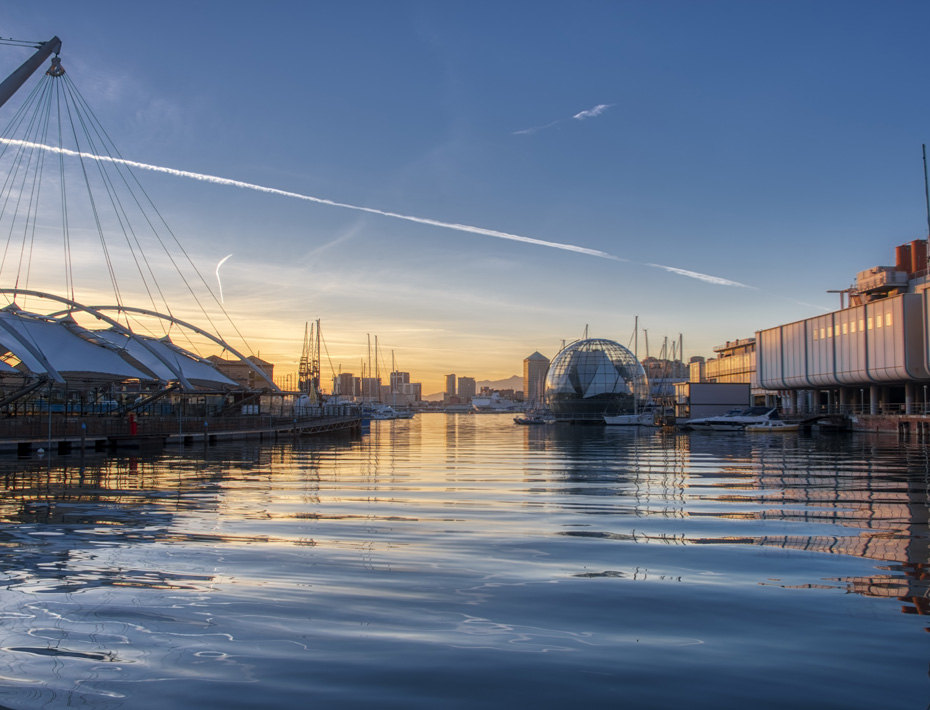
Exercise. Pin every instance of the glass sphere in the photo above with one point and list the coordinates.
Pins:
(591, 378)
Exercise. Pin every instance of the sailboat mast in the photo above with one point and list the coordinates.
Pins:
(377, 370)
(303, 368)
(317, 373)
(681, 350)
(636, 337)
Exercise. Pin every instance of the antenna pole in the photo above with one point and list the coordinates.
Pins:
(926, 189)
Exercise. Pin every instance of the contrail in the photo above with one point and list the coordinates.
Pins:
(222, 261)
(371, 210)
(702, 277)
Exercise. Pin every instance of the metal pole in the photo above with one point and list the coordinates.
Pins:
(15, 80)
(926, 191)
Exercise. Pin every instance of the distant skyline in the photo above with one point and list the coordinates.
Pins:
(473, 182)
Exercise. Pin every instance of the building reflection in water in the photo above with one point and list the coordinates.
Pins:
(872, 491)
(58, 517)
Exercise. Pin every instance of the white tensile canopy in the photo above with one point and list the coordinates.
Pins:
(166, 360)
(45, 346)
(64, 350)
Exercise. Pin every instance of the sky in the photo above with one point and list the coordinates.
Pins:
(491, 179)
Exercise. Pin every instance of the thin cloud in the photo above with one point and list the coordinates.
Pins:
(530, 131)
(218, 281)
(580, 116)
(592, 112)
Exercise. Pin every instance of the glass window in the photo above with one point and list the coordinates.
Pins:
(861, 324)
(870, 322)
(845, 328)
(822, 334)
(878, 321)
(888, 319)
(852, 327)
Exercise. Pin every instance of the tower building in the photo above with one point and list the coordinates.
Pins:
(535, 368)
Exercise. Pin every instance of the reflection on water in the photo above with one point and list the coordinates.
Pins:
(465, 561)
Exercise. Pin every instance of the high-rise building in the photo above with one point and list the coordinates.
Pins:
(344, 384)
(371, 389)
(467, 388)
(535, 368)
(450, 386)
(398, 380)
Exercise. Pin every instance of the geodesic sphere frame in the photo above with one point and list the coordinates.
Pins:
(593, 377)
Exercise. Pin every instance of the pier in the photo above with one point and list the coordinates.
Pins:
(23, 435)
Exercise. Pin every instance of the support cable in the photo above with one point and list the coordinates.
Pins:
(115, 154)
(118, 210)
(93, 205)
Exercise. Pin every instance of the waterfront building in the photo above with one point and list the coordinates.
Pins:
(535, 368)
(735, 363)
(344, 385)
(466, 388)
(590, 378)
(413, 391)
(871, 356)
(241, 372)
(398, 380)
(697, 369)
(694, 400)
(370, 390)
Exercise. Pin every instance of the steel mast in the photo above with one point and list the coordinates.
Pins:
(18, 77)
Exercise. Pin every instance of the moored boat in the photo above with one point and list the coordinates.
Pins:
(529, 419)
(735, 420)
(647, 418)
(773, 426)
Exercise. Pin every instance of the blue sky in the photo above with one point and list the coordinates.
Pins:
(773, 144)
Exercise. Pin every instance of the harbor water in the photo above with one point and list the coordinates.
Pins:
(461, 561)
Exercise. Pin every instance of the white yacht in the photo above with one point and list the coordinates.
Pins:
(645, 418)
(734, 420)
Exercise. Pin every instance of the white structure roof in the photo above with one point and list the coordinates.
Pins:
(58, 346)
(46, 346)
(165, 360)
